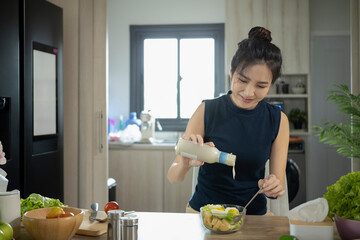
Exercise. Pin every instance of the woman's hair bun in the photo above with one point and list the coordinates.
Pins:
(260, 33)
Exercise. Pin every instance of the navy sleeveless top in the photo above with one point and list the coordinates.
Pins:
(249, 135)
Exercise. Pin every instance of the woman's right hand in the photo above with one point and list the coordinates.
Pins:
(198, 139)
(194, 132)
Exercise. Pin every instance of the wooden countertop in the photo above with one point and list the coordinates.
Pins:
(157, 225)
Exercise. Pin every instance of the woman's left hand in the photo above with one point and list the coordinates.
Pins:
(271, 186)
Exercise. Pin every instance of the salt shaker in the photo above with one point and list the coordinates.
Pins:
(129, 227)
(114, 229)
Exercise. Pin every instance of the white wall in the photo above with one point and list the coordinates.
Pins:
(123, 13)
(329, 16)
(330, 64)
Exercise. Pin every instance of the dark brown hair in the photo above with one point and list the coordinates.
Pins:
(255, 49)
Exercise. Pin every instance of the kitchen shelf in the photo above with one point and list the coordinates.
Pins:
(290, 100)
(300, 132)
(287, 96)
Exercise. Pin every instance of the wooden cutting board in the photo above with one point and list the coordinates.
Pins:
(94, 228)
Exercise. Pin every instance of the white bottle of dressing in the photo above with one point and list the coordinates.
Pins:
(203, 153)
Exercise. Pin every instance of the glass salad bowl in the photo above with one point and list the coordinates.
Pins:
(222, 218)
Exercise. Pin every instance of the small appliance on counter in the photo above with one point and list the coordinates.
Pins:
(147, 127)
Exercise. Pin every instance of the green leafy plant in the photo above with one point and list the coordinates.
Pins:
(344, 197)
(344, 136)
(297, 117)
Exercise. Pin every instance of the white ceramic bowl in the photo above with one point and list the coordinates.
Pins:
(298, 90)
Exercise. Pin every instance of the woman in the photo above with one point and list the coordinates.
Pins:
(244, 124)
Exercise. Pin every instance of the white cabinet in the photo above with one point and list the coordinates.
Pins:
(93, 151)
(85, 102)
(141, 175)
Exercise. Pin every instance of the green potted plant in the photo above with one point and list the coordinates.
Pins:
(297, 117)
(344, 196)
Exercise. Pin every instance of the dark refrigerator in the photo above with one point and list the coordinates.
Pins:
(31, 96)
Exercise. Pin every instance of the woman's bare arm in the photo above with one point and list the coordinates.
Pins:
(194, 132)
(273, 185)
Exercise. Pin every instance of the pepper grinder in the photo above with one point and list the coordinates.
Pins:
(129, 227)
(114, 229)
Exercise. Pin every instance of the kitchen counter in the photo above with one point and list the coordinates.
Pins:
(158, 225)
(142, 146)
(156, 146)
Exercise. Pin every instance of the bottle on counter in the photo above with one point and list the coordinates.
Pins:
(121, 122)
(203, 153)
(133, 120)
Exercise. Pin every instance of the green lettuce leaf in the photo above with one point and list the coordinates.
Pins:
(230, 216)
(35, 201)
(344, 197)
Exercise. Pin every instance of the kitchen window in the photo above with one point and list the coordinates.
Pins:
(173, 68)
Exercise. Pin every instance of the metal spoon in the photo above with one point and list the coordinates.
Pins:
(94, 207)
(238, 217)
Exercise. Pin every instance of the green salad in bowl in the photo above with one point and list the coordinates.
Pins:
(35, 201)
(220, 217)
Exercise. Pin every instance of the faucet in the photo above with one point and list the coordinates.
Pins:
(159, 126)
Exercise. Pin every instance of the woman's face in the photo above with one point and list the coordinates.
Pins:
(250, 86)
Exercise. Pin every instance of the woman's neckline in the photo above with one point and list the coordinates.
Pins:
(243, 110)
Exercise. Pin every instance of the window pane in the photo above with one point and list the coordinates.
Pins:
(197, 72)
(160, 77)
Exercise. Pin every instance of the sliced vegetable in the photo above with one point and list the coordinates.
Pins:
(219, 218)
(55, 212)
(66, 214)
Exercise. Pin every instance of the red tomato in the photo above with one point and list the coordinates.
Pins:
(111, 206)
(66, 214)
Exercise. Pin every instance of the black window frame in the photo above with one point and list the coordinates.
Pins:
(140, 32)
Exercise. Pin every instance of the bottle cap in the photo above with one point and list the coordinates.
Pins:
(129, 220)
(227, 158)
(133, 115)
(115, 214)
(230, 159)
